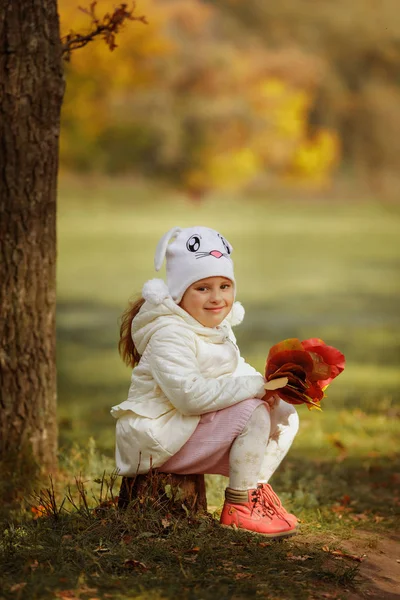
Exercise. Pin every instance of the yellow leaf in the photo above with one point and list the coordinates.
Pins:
(276, 384)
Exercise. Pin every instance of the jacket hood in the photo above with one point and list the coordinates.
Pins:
(159, 310)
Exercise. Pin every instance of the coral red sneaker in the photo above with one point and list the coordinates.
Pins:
(272, 500)
(246, 510)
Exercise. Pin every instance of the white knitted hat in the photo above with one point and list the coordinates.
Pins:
(194, 253)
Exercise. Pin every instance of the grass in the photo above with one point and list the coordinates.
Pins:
(146, 552)
(304, 269)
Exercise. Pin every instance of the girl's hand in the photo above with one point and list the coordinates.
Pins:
(272, 401)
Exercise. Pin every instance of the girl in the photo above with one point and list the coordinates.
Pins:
(194, 404)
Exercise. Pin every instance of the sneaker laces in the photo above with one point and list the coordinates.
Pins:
(271, 500)
(258, 502)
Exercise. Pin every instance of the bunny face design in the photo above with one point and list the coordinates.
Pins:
(194, 244)
(192, 254)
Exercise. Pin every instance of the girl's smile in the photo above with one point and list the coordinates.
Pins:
(209, 300)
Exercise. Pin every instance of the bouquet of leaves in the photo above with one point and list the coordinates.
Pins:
(299, 372)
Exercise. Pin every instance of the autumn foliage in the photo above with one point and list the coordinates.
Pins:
(107, 27)
(307, 368)
(188, 99)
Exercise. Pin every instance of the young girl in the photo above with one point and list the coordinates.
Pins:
(194, 404)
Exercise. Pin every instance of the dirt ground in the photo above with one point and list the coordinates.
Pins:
(379, 574)
(380, 569)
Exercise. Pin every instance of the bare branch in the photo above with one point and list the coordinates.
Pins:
(107, 28)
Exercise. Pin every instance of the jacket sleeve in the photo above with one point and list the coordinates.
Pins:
(243, 367)
(174, 366)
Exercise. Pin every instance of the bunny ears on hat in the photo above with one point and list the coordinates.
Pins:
(192, 254)
(162, 247)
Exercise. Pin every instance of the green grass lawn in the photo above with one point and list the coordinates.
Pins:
(315, 269)
(304, 269)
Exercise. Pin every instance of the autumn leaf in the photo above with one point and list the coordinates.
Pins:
(67, 595)
(275, 384)
(359, 517)
(291, 556)
(130, 563)
(340, 554)
(38, 511)
(166, 522)
(337, 443)
(33, 564)
(18, 586)
(101, 549)
(308, 366)
(127, 539)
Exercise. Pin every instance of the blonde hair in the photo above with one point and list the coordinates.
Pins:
(126, 346)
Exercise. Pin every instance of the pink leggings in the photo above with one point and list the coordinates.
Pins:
(245, 442)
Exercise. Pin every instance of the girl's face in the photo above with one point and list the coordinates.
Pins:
(209, 300)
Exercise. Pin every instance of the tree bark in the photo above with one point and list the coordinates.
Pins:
(31, 94)
(171, 490)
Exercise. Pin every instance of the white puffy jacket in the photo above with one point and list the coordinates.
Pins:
(185, 370)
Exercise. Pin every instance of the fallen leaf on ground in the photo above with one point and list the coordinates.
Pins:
(101, 549)
(346, 555)
(195, 549)
(126, 539)
(339, 508)
(18, 586)
(67, 595)
(236, 543)
(130, 563)
(165, 522)
(359, 517)
(243, 575)
(341, 554)
(190, 559)
(264, 544)
(85, 589)
(38, 511)
(291, 556)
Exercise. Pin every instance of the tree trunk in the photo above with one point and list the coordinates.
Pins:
(171, 490)
(31, 93)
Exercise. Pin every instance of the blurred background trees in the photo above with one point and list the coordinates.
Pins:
(233, 95)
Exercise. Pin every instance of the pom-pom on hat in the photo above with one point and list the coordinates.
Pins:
(192, 254)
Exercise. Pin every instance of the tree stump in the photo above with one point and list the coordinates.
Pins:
(175, 492)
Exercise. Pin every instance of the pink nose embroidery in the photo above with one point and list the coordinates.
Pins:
(216, 253)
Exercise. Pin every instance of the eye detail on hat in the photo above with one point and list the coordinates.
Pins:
(193, 243)
(225, 243)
